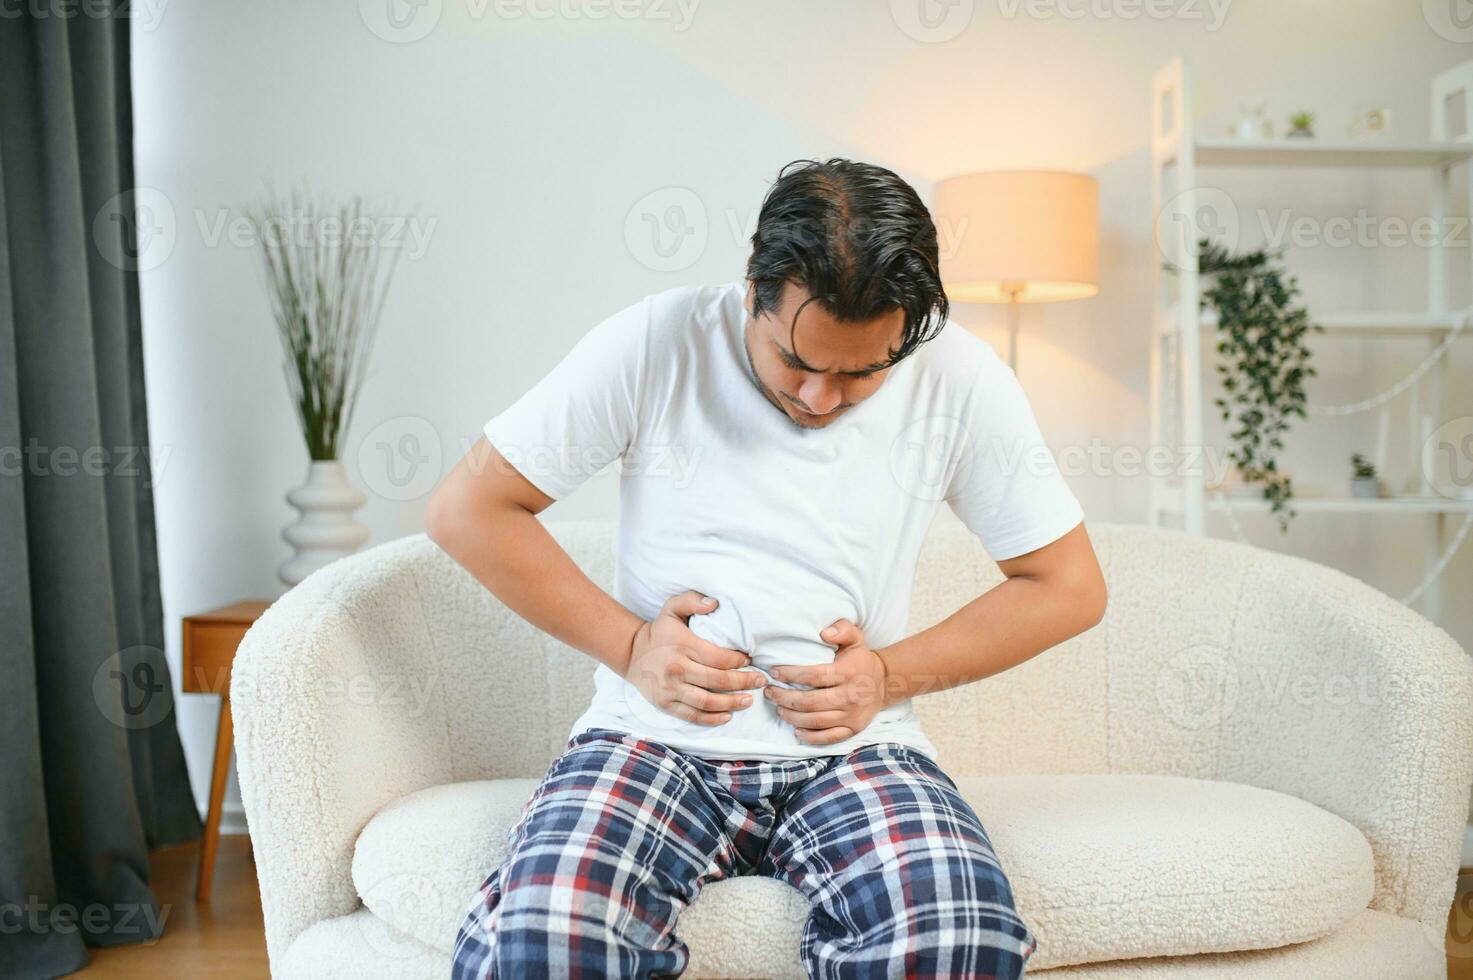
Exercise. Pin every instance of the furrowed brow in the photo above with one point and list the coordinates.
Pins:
(794, 361)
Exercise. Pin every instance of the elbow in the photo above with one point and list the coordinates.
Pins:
(1094, 599)
(439, 517)
(1083, 598)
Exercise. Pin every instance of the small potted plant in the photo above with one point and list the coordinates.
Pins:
(1301, 125)
(1363, 480)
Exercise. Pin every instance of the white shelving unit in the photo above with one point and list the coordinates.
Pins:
(1177, 368)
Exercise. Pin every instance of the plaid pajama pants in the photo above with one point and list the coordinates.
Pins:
(622, 833)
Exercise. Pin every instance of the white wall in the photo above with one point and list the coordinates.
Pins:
(524, 142)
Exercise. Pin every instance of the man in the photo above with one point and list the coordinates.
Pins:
(752, 707)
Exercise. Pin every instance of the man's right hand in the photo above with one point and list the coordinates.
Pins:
(684, 675)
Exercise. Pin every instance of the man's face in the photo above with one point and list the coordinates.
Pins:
(822, 367)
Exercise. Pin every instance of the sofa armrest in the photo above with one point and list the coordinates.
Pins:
(339, 709)
(1372, 719)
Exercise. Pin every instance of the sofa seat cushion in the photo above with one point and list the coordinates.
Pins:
(1103, 868)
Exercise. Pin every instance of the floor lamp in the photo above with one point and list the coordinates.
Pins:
(1018, 236)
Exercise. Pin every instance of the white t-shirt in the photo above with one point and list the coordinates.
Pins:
(790, 528)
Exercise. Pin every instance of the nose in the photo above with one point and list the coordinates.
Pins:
(820, 393)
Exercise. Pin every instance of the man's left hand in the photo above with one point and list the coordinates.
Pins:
(846, 695)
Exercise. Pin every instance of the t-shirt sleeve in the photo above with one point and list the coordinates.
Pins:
(1007, 487)
(582, 415)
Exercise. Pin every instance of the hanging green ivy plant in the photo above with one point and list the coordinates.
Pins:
(1261, 339)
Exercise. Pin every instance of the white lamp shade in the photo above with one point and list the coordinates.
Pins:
(1029, 235)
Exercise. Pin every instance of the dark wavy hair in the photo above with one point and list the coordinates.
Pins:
(858, 238)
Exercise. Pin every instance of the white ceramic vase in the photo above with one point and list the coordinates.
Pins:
(326, 530)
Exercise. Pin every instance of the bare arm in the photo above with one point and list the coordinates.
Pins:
(1050, 595)
(484, 515)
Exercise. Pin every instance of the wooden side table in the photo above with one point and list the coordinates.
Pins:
(210, 639)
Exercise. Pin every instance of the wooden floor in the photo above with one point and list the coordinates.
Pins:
(223, 940)
(1460, 930)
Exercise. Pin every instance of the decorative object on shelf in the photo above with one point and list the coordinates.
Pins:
(1253, 124)
(1371, 124)
(328, 272)
(1363, 481)
(1261, 333)
(1301, 126)
(1180, 329)
(1019, 236)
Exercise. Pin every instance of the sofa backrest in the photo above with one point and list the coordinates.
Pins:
(1191, 653)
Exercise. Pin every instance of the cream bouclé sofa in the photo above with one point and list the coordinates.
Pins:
(1253, 767)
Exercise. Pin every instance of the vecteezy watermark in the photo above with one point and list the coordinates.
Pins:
(1451, 20)
(937, 456)
(1457, 941)
(135, 230)
(927, 453)
(1190, 216)
(1100, 459)
(400, 458)
(676, 462)
(121, 919)
(408, 694)
(410, 232)
(400, 896)
(667, 229)
(138, 230)
(932, 21)
(144, 14)
(406, 21)
(1197, 688)
(35, 459)
(1293, 684)
(1447, 459)
(1201, 686)
(131, 688)
(1360, 230)
(1212, 13)
(400, 21)
(678, 13)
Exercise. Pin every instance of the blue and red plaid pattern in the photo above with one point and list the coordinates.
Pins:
(622, 833)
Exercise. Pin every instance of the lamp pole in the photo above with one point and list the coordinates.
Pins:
(1014, 290)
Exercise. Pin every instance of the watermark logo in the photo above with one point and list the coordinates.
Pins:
(145, 15)
(1457, 941)
(395, 898)
(1197, 688)
(131, 689)
(678, 13)
(1451, 20)
(400, 458)
(136, 229)
(932, 21)
(400, 21)
(926, 454)
(1212, 13)
(38, 918)
(1447, 459)
(1190, 216)
(300, 228)
(1360, 230)
(667, 229)
(146, 463)
(650, 715)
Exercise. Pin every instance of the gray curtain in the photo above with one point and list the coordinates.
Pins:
(92, 774)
